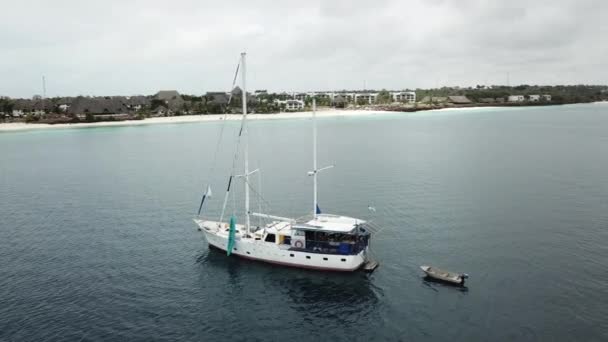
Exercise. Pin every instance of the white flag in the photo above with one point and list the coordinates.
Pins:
(208, 194)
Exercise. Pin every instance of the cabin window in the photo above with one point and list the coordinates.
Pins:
(250, 253)
(308, 257)
(270, 238)
(325, 259)
(291, 255)
(343, 260)
(235, 248)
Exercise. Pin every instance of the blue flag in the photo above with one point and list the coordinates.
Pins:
(318, 209)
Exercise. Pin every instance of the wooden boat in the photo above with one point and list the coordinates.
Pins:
(449, 277)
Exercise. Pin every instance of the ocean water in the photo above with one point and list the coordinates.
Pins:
(97, 241)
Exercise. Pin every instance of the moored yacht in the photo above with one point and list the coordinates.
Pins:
(327, 242)
(317, 241)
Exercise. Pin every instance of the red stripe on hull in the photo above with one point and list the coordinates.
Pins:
(316, 268)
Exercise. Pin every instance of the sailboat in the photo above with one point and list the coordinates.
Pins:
(316, 241)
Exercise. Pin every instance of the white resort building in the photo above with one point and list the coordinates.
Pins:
(366, 97)
(294, 104)
(356, 96)
(291, 105)
(516, 98)
(404, 96)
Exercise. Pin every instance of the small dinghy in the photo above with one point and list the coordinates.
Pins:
(448, 277)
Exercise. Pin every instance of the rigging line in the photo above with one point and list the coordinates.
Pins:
(226, 199)
(234, 160)
(236, 74)
(236, 156)
(219, 140)
(264, 201)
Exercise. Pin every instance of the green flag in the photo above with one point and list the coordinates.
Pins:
(231, 235)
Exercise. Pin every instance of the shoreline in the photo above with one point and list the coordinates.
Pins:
(22, 126)
(325, 113)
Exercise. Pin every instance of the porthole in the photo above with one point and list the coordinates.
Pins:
(291, 255)
(308, 257)
(325, 259)
(343, 260)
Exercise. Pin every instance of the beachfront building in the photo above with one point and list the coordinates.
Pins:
(160, 111)
(339, 101)
(291, 105)
(533, 98)
(404, 96)
(98, 105)
(137, 102)
(546, 97)
(516, 98)
(322, 95)
(167, 95)
(284, 96)
(366, 97)
(434, 99)
(459, 100)
(172, 99)
(349, 97)
(22, 107)
(300, 96)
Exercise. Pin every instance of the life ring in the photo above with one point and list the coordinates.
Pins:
(298, 244)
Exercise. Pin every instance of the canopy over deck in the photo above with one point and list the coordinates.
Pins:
(331, 223)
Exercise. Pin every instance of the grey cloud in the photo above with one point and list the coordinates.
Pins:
(131, 47)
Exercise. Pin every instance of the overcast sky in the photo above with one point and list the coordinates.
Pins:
(128, 47)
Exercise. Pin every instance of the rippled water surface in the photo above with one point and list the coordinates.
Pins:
(97, 241)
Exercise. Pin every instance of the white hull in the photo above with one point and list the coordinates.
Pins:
(273, 253)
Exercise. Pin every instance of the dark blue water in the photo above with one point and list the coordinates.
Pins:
(97, 241)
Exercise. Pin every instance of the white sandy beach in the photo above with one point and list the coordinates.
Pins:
(18, 126)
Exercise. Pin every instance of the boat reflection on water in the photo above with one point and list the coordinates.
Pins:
(345, 297)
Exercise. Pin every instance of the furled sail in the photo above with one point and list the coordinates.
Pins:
(231, 234)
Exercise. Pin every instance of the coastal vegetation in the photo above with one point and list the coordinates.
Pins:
(560, 94)
(171, 103)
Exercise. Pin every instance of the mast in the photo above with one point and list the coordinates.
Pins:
(314, 157)
(315, 171)
(244, 99)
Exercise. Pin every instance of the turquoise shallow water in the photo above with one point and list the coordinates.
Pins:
(97, 241)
